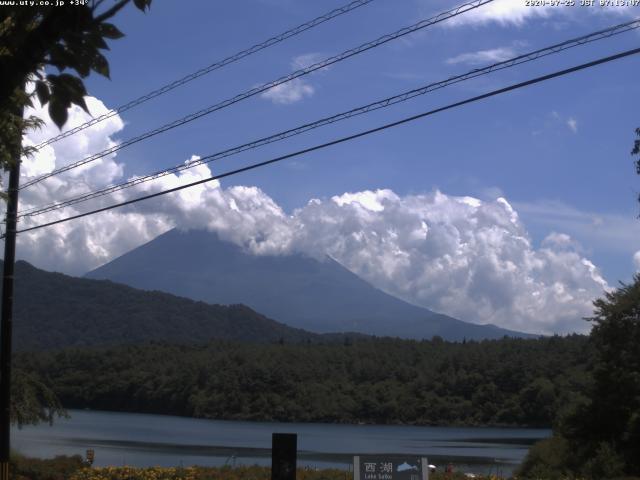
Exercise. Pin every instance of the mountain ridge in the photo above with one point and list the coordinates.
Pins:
(300, 291)
(53, 310)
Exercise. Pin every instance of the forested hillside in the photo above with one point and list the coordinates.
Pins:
(497, 382)
(53, 310)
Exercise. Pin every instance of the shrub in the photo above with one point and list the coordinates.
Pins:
(58, 468)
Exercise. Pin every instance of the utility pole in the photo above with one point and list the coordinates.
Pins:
(6, 321)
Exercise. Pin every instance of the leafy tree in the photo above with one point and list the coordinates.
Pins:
(600, 436)
(370, 380)
(36, 402)
(610, 421)
(636, 151)
(33, 39)
(34, 42)
(602, 433)
(546, 459)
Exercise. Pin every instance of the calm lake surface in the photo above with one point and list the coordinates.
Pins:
(147, 440)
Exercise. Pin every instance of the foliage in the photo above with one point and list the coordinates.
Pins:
(58, 468)
(636, 151)
(382, 381)
(34, 38)
(602, 432)
(132, 473)
(609, 423)
(37, 37)
(73, 468)
(36, 402)
(546, 459)
(70, 311)
(225, 473)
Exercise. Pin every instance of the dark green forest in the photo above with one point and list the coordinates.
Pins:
(599, 435)
(511, 382)
(69, 311)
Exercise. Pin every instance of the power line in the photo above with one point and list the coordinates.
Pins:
(528, 57)
(516, 86)
(214, 66)
(255, 91)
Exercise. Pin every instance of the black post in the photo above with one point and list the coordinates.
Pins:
(284, 452)
(6, 321)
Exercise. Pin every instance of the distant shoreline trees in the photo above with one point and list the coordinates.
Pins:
(507, 382)
(600, 437)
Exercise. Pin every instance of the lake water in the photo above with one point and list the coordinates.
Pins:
(147, 440)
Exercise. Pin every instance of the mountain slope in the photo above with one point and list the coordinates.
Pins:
(53, 310)
(321, 296)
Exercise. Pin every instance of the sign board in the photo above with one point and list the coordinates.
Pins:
(284, 451)
(390, 467)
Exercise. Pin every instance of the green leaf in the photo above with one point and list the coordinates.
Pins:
(75, 89)
(42, 90)
(96, 40)
(81, 103)
(81, 52)
(73, 84)
(58, 112)
(59, 93)
(142, 4)
(108, 30)
(59, 57)
(100, 65)
(82, 65)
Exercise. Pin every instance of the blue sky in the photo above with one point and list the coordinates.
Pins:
(520, 145)
(558, 152)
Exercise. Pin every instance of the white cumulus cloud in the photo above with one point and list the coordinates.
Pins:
(299, 88)
(483, 56)
(306, 60)
(462, 256)
(291, 92)
(518, 12)
(458, 255)
(503, 12)
(75, 247)
(636, 260)
(608, 232)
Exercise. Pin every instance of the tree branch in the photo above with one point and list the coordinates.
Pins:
(34, 47)
(111, 12)
(96, 4)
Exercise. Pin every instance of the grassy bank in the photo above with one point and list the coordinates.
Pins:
(73, 468)
(223, 473)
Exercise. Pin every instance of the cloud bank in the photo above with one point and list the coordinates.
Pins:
(299, 88)
(518, 12)
(482, 57)
(291, 92)
(458, 255)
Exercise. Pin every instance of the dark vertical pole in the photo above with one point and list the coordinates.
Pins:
(284, 452)
(6, 321)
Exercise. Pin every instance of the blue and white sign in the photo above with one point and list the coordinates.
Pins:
(390, 467)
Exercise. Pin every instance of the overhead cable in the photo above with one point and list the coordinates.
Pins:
(267, 86)
(386, 102)
(214, 66)
(500, 91)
